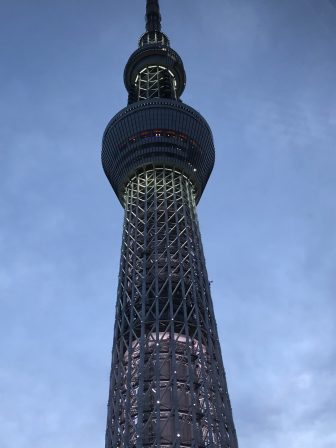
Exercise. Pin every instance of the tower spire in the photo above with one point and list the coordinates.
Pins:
(153, 16)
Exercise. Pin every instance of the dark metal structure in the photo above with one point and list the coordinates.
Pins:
(167, 385)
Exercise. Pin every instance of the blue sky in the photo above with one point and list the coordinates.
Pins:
(262, 72)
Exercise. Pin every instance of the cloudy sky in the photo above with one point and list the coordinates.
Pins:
(263, 73)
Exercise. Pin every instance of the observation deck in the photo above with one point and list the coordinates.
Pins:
(157, 132)
(150, 53)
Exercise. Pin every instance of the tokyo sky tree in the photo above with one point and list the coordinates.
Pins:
(167, 384)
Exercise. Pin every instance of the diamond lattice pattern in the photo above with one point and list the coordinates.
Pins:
(167, 386)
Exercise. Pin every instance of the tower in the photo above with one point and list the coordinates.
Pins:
(167, 383)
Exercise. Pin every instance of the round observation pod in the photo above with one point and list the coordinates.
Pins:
(158, 132)
(155, 55)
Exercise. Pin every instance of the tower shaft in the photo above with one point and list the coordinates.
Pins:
(167, 382)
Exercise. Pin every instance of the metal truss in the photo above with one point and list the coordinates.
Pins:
(153, 37)
(167, 384)
(155, 82)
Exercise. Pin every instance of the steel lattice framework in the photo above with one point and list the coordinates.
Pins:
(167, 384)
(167, 380)
(155, 81)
